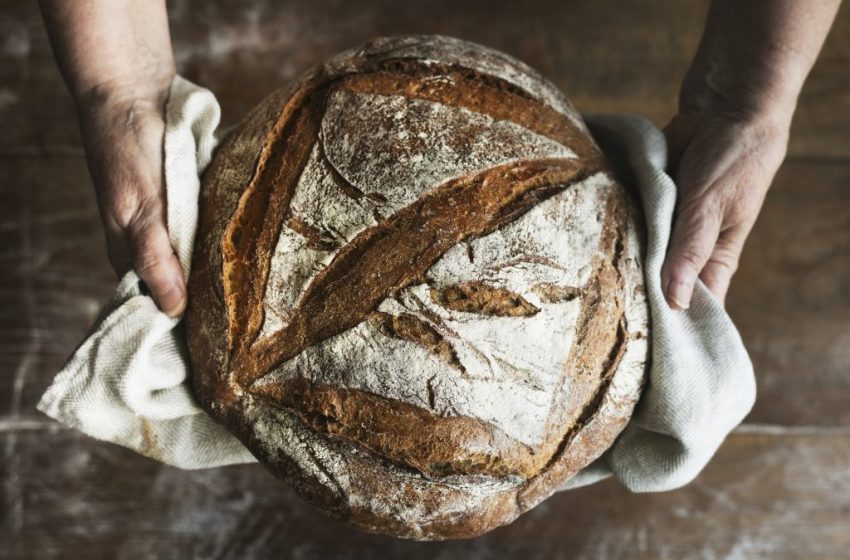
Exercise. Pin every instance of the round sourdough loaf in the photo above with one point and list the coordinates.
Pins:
(416, 292)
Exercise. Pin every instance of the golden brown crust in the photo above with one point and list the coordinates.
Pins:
(233, 166)
(477, 297)
(264, 205)
(411, 436)
(400, 454)
(407, 326)
(469, 89)
(361, 275)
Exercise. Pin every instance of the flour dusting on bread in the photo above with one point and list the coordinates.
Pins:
(417, 288)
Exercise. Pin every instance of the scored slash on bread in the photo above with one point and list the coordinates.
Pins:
(416, 291)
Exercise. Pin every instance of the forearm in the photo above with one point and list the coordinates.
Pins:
(111, 49)
(755, 55)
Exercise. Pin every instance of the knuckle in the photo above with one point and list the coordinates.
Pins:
(147, 217)
(699, 211)
(149, 255)
(725, 261)
(129, 208)
(148, 263)
(690, 258)
(120, 208)
(727, 252)
(717, 277)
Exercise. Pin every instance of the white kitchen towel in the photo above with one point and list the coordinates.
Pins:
(701, 382)
(128, 382)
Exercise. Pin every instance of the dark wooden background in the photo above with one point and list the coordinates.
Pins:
(778, 488)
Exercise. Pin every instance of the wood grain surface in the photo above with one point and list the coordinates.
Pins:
(763, 496)
(778, 488)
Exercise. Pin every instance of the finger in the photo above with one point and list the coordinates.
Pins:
(721, 266)
(156, 264)
(716, 277)
(692, 242)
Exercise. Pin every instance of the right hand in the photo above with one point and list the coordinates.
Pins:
(123, 137)
(723, 164)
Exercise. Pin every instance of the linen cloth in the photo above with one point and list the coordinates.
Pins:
(128, 382)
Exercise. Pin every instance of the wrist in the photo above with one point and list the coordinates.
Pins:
(142, 79)
(743, 75)
(121, 95)
(751, 95)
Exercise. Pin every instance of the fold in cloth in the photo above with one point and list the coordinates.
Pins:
(128, 382)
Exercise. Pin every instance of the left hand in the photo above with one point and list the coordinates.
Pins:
(123, 136)
(723, 165)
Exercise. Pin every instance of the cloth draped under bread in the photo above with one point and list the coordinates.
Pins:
(128, 382)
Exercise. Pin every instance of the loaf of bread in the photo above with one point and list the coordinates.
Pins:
(416, 291)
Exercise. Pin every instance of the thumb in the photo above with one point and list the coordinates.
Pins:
(156, 264)
(719, 269)
(692, 242)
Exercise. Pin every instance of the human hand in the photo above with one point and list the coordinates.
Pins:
(123, 136)
(116, 58)
(731, 132)
(723, 164)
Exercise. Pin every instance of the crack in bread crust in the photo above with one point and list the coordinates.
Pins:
(552, 293)
(314, 238)
(455, 86)
(360, 276)
(401, 433)
(410, 327)
(599, 325)
(263, 208)
(264, 205)
(414, 437)
(228, 282)
(478, 297)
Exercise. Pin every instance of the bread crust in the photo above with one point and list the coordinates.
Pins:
(381, 464)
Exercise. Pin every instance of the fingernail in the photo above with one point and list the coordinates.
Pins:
(678, 295)
(173, 301)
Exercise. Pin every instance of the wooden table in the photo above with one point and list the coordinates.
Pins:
(778, 488)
